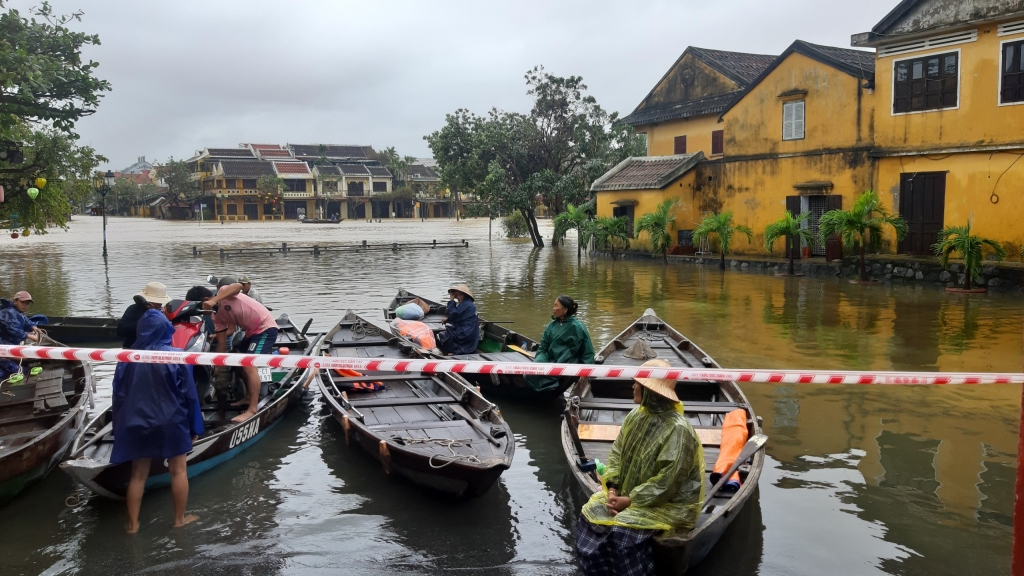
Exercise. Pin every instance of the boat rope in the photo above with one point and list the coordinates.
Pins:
(362, 329)
(450, 443)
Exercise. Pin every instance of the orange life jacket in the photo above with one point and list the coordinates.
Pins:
(734, 436)
(418, 332)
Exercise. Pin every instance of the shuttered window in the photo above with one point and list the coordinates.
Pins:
(680, 145)
(793, 120)
(1012, 71)
(926, 83)
(718, 142)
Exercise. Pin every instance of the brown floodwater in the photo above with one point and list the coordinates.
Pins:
(859, 479)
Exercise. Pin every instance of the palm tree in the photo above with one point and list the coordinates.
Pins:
(959, 240)
(658, 226)
(574, 218)
(721, 225)
(610, 232)
(861, 225)
(792, 228)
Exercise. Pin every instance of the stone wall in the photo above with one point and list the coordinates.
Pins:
(997, 276)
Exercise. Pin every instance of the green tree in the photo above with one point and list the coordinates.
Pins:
(611, 232)
(43, 77)
(126, 195)
(792, 229)
(514, 225)
(958, 240)
(658, 226)
(177, 176)
(862, 225)
(270, 186)
(721, 225)
(574, 218)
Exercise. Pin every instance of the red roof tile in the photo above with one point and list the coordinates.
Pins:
(274, 153)
(291, 167)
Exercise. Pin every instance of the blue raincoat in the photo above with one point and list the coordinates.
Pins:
(156, 410)
(14, 326)
(463, 334)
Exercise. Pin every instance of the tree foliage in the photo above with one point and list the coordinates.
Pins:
(43, 77)
(576, 218)
(514, 225)
(550, 155)
(177, 176)
(861, 225)
(958, 240)
(611, 233)
(722, 226)
(792, 229)
(658, 226)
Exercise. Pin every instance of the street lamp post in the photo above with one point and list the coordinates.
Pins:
(103, 189)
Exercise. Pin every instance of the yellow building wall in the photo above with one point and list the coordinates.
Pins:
(838, 111)
(661, 136)
(647, 201)
(979, 119)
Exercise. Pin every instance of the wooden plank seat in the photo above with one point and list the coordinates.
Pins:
(376, 378)
(428, 425)
(608, 433)
(389, 402)
(627, 405)
(49, 390)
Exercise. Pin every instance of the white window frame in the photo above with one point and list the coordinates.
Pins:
(902, 57)
(999, 63)
(792, 105)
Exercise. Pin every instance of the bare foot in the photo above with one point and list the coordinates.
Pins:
(244, 416)
(188, 519)
(242, 402)
(131, 529)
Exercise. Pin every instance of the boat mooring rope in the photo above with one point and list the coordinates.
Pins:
(450, 443)
(519, 368)
(363, 329)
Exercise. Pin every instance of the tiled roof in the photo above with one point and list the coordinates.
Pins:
(710, 105)
(379, 171)
(420, 172)
(741, 67)
(328, 170)
(230, 153)
(264, 146)
(274, 153)
(646, 172)
(299, 168)
(246, 168)
(332, 151)
(353, 170)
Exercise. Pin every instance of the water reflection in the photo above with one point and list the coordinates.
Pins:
(860, 479)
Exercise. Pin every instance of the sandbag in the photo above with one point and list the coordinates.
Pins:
(418, 332)
(734, 437)
(414, 310)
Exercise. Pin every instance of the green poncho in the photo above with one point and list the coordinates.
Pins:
(657, 460)
(564, 341)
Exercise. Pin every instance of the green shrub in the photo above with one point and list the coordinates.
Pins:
(514, 225)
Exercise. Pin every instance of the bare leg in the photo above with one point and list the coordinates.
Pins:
(136, 486)
(252, 382)
(179, 490)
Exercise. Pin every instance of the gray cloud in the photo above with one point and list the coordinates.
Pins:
(190, 74)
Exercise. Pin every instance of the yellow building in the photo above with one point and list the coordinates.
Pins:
(949, 125)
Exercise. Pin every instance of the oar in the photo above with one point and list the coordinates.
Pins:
(752, 445)
(103, 432)
(515, 348)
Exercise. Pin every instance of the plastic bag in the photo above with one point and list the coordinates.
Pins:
(410, 311)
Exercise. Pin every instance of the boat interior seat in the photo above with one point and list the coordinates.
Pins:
(503, 357)
(49, 390)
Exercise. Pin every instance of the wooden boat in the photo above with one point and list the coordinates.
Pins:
(600, 405)
(39, 418)
(81, 330)
(496, 345)
(434, 429)
(89, 461)
(319, 221)
(290, 335)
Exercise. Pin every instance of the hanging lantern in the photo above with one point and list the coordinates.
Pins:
(14, 235)
(33, 192)
(26, 232)
(40, 182)
(1, 193)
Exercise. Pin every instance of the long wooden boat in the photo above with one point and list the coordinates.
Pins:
(434, 429)
(319, 221)
(39, 418)
(290, 335)
(596, 408)
(89, 461)
(496, 345)
(81, 329)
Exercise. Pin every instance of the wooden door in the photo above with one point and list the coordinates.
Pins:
(834, 244)
(252, 211)
(922, 205)
(793, 207)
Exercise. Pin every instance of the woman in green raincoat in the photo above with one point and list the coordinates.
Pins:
(565, 341)
(654, 482)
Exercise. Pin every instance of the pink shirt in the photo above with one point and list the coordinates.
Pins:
(244, 312)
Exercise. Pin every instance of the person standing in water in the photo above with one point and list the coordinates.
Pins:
(155, 414)
(565, 341)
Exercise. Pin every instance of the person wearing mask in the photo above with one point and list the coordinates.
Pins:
(236, 310)
(462, 334)
(155, 414)
(565, 341)
(15, 328)
(248, 290)
(654, 482)
(156, 297)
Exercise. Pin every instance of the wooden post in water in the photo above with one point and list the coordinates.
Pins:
(284, 247)
(434, 245)
(1017, 564)
(316, 250)
(195, 252)
(221, 253)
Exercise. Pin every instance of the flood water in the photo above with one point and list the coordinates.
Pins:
(859, 480)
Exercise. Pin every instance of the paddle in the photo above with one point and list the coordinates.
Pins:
(752, 445)
(103, 432)
(515, 348)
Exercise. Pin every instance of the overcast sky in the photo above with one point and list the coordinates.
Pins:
(187, 75)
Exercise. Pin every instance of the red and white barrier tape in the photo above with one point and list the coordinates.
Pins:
(593, 371)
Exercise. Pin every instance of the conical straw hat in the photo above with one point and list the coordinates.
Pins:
(661, 386)
(464, 289)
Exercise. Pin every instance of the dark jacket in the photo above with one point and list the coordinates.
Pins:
(155, 408)
(14, 326)
(463, 328)
(127, 325)
(564, 341)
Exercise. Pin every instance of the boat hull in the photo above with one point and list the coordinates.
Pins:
(81, 330)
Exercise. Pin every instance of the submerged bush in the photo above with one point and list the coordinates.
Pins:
(514, 225)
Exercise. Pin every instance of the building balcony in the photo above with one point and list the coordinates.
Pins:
(287, 194)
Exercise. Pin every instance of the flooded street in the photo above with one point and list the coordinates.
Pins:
(859, 480)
